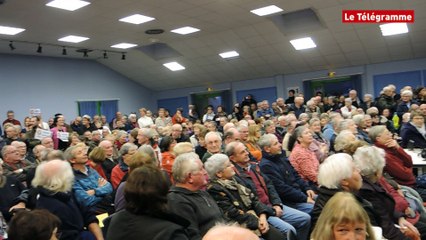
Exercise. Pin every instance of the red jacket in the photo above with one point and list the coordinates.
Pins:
(399, 165)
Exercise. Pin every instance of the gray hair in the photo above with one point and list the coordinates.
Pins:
(344, 138)
(376, 131)
(147, 149)
(344, 124)
(183, 147)
(230, 148)
(268, 123)
(334, 169)
(184, 164)
(302, 115)
(265, 140)
(358, 119)
(55, 175)
(120, 134)
(69, 152)
(212, 134)
(147, 132)
(215, 164)
(126, 148)
(370, 160)
(407, 92)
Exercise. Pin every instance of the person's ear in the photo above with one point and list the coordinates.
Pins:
(267, 149)
(219, 174)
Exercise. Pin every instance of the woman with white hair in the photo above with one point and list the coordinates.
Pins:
(237, 202)
(338, 174)
(53, 191)
(370, 160)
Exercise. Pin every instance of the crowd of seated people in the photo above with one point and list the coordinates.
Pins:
(171, 174)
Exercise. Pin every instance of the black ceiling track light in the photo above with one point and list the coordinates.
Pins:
(104, 54)
(12, 47)
(39, 48)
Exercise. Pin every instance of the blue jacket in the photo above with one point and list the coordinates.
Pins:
(288, 184)
(83, 183)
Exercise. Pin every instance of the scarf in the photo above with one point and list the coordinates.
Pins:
(244, 192)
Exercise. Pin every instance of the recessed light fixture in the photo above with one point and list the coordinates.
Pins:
(229, 54)
(389, 29)
(185, 30)
(303, 43)
(174, 66)
(136, 19)
(73, 39)
(124, 45)
(10, 30)
(70, 5)
(271, 9)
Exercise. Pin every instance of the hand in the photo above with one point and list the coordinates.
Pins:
(90, 192)
(101, 182)
(405, 224)
(278, 211)
(310, 200)
(311, 194)
(20, 205)
(392, 144)
(263, 224)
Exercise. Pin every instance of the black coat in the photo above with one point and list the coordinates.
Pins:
(324, 194)
(198, 207)
(129, 226)
(233, 207)
(410, 132)
(73, 217)
(384, 206)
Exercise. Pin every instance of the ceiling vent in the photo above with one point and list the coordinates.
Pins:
(302, 21)
(159, 51)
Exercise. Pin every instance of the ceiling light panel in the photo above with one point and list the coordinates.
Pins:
(10, 30)
(271, 9)
(174, 66)
(185, 30)
(393, 29)
(70, 5)
(73, 39)
(303, 43)
(124, 45)
(136, 19)
(230, 54)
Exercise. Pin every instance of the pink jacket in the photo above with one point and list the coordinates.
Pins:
(305, 163)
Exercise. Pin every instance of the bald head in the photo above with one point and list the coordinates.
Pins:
(229, 233)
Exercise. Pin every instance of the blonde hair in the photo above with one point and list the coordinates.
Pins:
(341, 208)
(97, 155)
(252, 129)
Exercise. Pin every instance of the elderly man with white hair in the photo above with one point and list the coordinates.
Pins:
(187, 197)
(53, 182)
(297, 107)
(405, 104)
(213, 142)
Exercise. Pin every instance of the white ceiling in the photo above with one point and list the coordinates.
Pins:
(225, 25)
